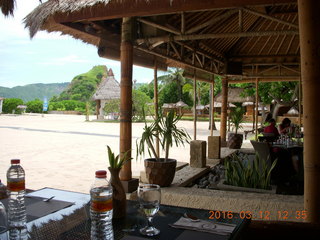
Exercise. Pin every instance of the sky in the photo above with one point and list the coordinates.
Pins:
(48, 58)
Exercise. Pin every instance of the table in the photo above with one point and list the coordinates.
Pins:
(73, 222)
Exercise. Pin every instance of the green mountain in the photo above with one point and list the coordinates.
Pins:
(32, 91)
(83, 86)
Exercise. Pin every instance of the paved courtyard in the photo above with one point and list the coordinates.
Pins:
(63, 151)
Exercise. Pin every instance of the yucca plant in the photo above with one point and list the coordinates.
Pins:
(165, 129)
(117, 161)
(256, 175)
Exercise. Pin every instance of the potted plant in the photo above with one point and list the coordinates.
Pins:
(119, 195)
(159, 170)
(236, 118)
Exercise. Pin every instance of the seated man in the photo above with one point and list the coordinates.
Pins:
(271, 128)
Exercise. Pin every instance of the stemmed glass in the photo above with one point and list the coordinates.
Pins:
(149, 199)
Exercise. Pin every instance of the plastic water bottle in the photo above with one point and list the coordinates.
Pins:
(17, 216)
(101, 207)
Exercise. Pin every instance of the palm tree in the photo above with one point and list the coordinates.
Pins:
(175, 75)
(7, 7)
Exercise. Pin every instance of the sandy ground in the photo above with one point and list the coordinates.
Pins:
(64, 151)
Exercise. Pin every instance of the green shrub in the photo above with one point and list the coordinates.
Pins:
(256, 175)
(10, 105)
(34, 106)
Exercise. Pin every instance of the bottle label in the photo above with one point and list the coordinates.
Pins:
(101, 205)
(16, 185)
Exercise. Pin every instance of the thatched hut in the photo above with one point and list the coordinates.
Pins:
(108, 89)
(235, 95)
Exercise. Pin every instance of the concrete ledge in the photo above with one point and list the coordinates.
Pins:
(262, 206)
(187, 175)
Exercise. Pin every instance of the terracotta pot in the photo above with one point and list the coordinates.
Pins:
(235, 140)
(119, 200)
(160, 172)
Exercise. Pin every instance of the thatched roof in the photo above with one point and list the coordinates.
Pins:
(212, 37)
(181, 104)
(108, 89)
(235, 95)
(293, 111)
(218, 105)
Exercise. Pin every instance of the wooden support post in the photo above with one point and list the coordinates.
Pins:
(257, 110)
(194, 106)
(126, 58)
(97, 108)
(223, 121)
(156, 107)
(212, 123)
(309, 22)
(299, 102)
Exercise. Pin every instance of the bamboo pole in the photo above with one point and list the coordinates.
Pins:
(300, 115)
(309, 22)
(192, 37)
(156, 106)
(257, 110)
(212, 107)
(223, 121)
(194, 106)
(126, 58)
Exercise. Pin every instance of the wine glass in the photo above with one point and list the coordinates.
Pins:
(149, 198)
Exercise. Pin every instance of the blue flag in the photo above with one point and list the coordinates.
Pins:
(45, 104)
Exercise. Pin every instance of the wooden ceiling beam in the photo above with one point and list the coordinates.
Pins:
(159, 26)
(272, 76)
(192, 37)
(271, 18)
(175, 50)
(244, 80)
(173, 59)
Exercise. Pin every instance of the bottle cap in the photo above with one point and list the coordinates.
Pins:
(15, 161)
(101, 174)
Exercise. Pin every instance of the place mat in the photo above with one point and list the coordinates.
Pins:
(204, 226)
(191, 235)
(37, 208)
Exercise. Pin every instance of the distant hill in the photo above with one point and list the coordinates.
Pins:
(84, 85)
(32, 91)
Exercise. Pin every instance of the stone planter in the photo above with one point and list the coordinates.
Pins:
(160, 172)
(222, 186)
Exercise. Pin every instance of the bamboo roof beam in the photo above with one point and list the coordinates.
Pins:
(271, 18)
(156, 25)
(173, 59)
(191, 37)
(175, 50)
(261, 79)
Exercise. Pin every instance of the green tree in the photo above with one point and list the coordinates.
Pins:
(34, 106)
(140, 100)
(111, 106)
(279, 94)
(10, 105)
(148, 88)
